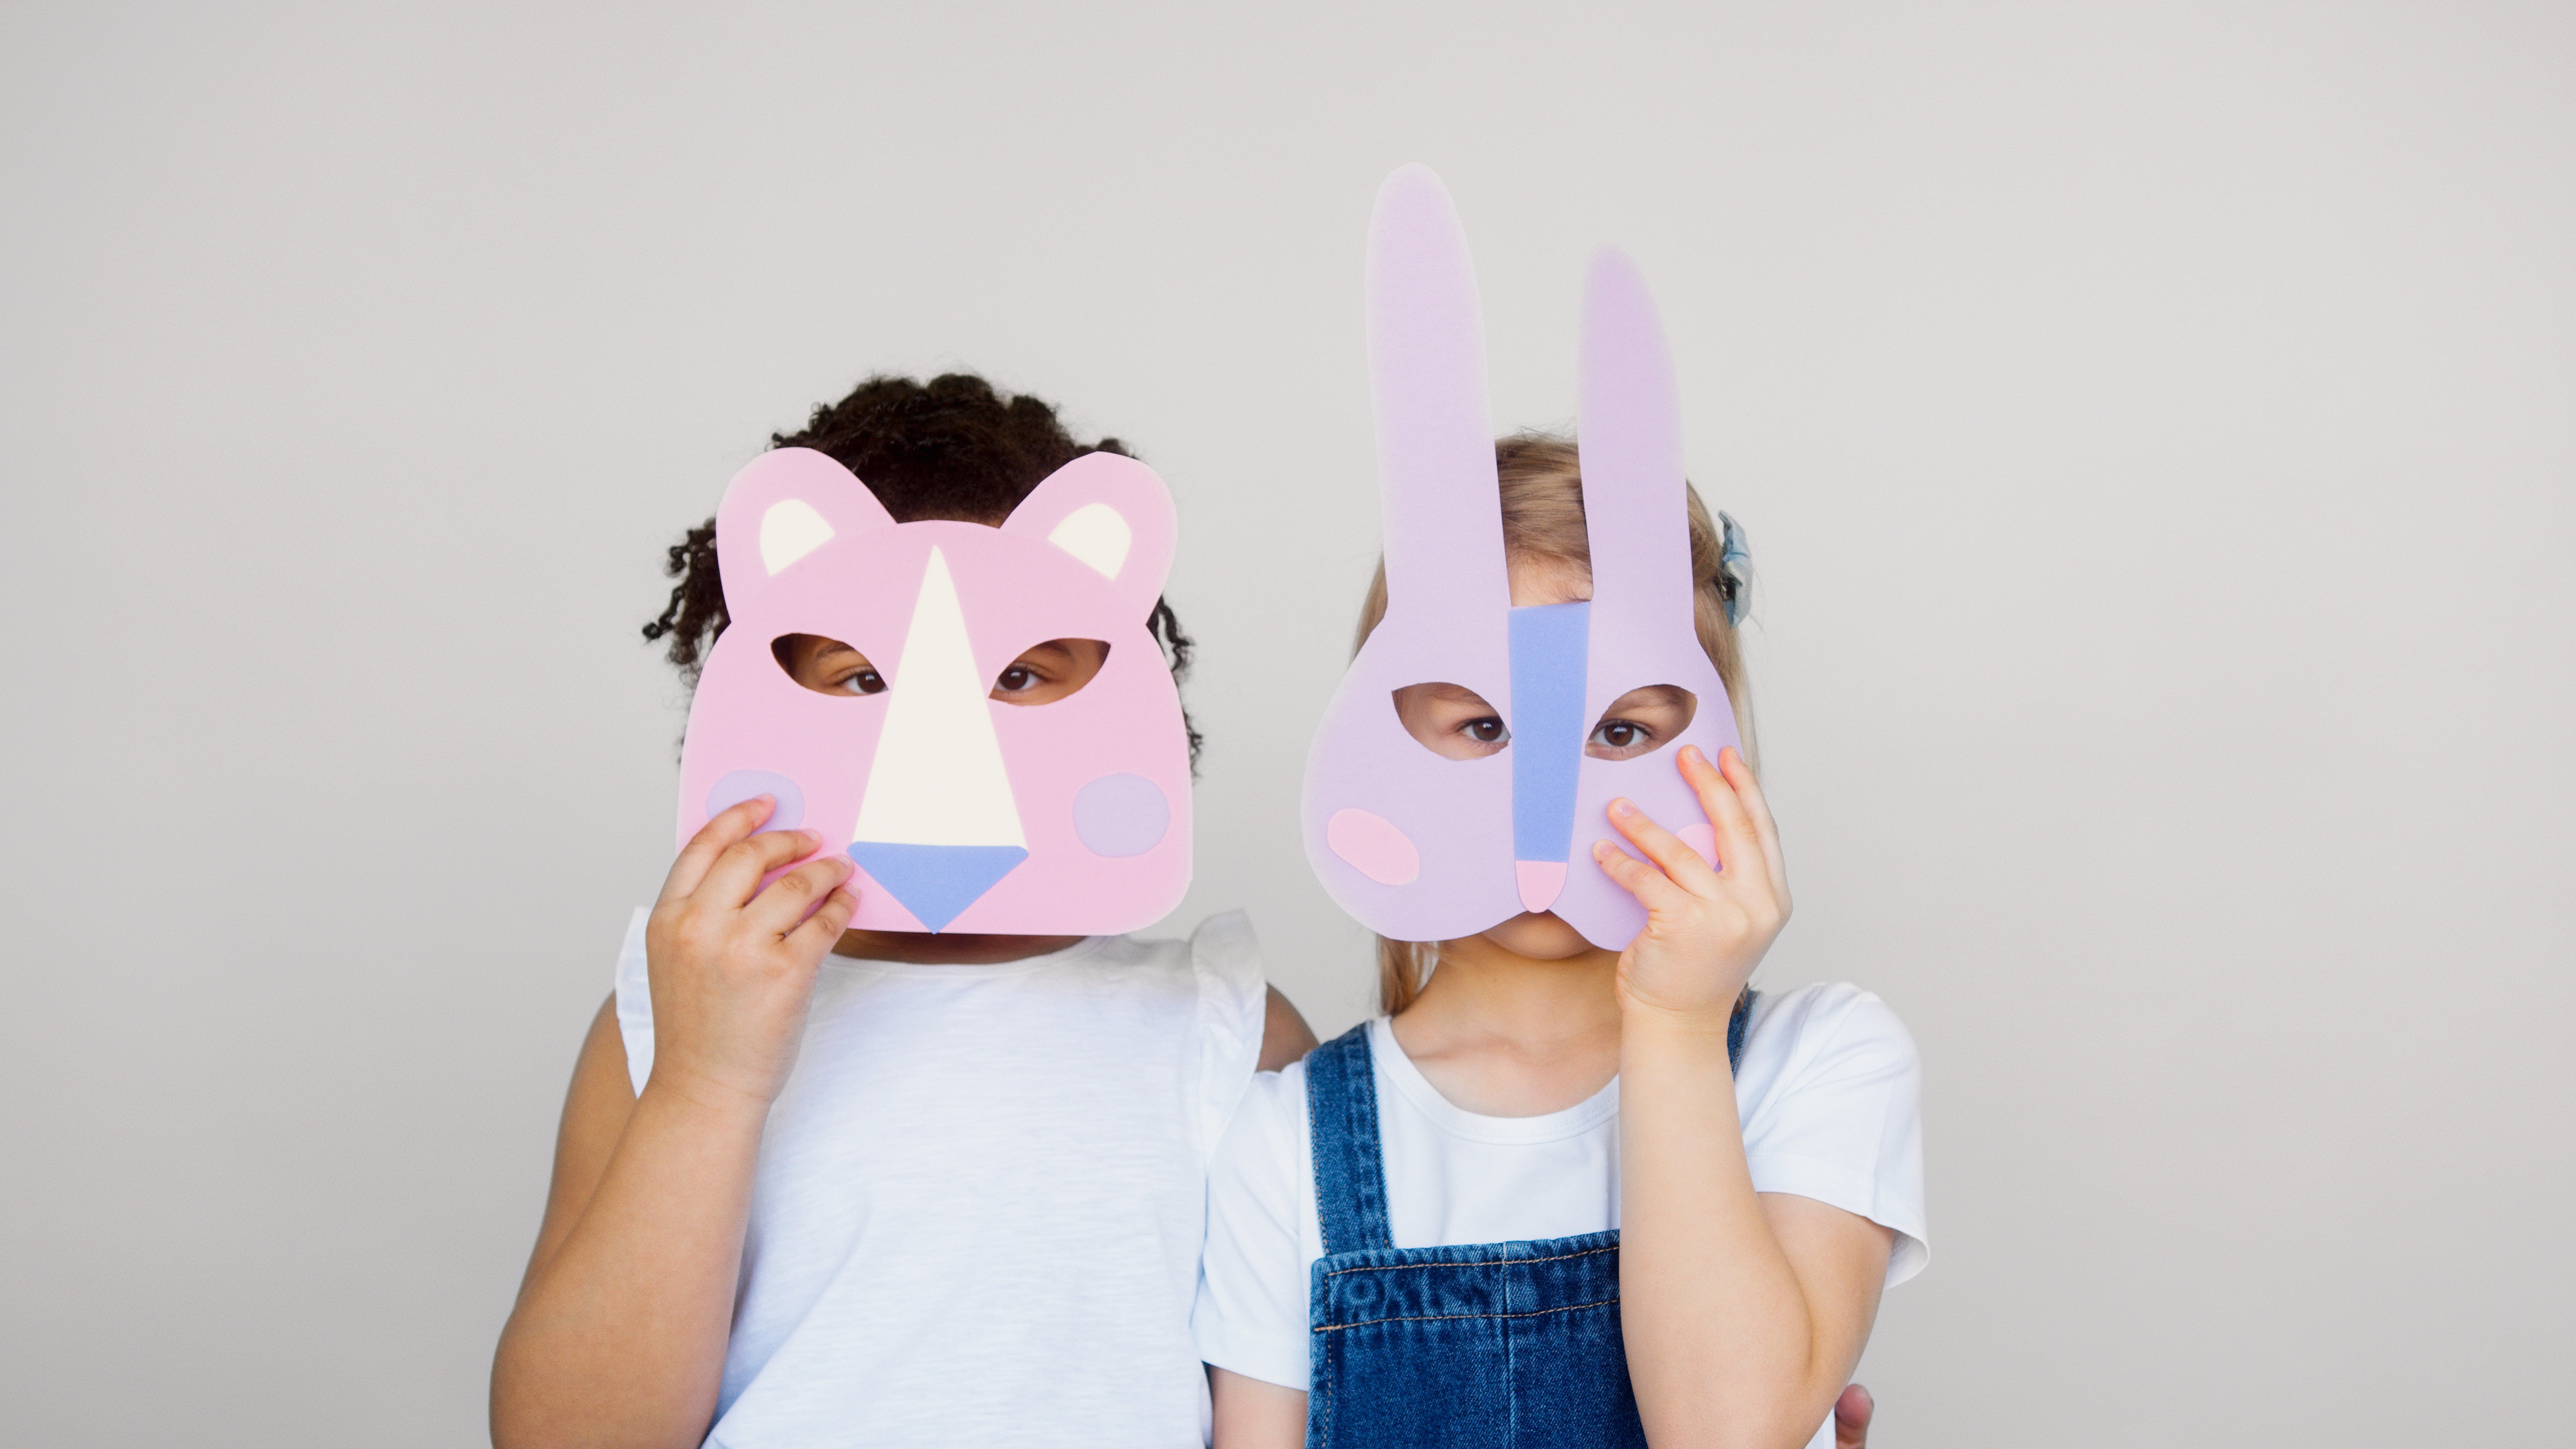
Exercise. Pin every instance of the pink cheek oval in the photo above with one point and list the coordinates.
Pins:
(1702, 838)
(1121, 815)
(1371, 845)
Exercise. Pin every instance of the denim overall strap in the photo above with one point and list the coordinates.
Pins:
(1736, 1023)
(1512, 1345)
(1341, 1122)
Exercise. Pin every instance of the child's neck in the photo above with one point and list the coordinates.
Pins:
(918, 949)
(1507, 1035)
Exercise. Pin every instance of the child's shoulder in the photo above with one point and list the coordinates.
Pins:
(1820, 1003)
(1826, 1028)
(1221, 948)
(1264, 1145)
(1214, 975)
(1214, 972)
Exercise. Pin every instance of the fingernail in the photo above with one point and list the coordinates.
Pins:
(1622, 808)
(1691, 752)
(813, 836)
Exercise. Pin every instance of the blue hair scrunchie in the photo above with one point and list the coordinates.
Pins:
(1734, 562)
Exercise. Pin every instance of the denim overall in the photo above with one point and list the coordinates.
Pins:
(1472, 1346)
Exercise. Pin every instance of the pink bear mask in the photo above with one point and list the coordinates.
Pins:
(1421, 847)
(963, 812)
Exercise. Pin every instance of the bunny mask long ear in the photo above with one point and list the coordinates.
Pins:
(1414, 845)
(1636, 511)
(1435, 435)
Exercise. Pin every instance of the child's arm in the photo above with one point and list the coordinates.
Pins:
(1285, 1036)
(619, 1333)
(1251, 1414)
(1743, 1312)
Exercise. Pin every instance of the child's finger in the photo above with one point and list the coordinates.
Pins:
(1730, 763)
(787, 900)
(827, 923)
(729, 827)
(735, 877)
(1687, 868)
(1739, 846)
(1653, 889)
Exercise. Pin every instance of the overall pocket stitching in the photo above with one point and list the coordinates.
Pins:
(1476, 1263)
(1443, 1317)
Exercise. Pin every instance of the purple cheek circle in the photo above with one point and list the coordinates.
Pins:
(741, 785)
(1121, 815)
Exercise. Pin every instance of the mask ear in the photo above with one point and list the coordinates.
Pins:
(1435, 438)
(1628, 421)
(1111, 513)
(779, 509)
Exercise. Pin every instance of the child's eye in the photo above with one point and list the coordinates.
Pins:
(1054, 670)
(1641, 722)
(1619, 739)
(826, 666)
(1486, 731)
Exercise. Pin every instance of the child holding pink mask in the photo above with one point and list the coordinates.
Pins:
(870, 1160)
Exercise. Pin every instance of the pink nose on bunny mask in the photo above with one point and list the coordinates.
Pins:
(962, 812)
(1421, 847)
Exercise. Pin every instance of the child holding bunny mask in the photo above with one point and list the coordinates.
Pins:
(1582, 1186)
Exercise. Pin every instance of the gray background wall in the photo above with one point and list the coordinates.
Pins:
(2153, 424)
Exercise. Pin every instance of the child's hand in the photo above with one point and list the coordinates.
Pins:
(733, 963)
(1706, 929)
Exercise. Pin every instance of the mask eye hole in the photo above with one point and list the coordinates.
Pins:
(1452, 721)
(1045, 673)
(1641, 722)
(826, 666)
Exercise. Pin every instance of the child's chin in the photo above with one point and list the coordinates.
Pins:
(1540, 936)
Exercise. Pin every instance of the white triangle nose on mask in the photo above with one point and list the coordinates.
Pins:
(938, 825)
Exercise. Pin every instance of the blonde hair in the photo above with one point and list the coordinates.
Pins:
(1542, 478)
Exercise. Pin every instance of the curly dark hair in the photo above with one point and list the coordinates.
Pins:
(953, 447)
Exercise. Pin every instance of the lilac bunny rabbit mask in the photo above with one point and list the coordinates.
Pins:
(1420, 846)
(962, 811)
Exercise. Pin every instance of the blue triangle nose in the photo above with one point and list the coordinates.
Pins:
(935, 882)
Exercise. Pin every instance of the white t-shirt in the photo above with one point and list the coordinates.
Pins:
(979, 1201)
(1829, 1094)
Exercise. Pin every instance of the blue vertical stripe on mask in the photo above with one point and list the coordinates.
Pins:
(1549, 642)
